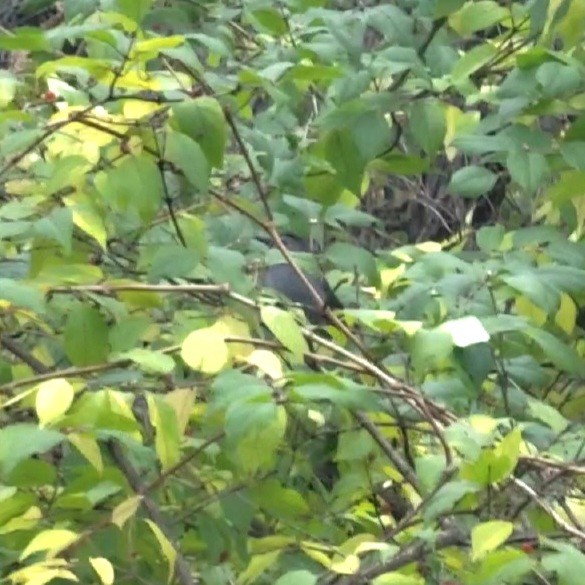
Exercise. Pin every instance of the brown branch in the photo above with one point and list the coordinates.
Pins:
(73, 372)
(414, 551)
(30, 360)
(182, 569)
(109, 289)
(546, 507)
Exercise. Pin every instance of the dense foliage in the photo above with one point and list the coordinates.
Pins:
(162, 419)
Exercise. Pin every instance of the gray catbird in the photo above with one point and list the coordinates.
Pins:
(283, 279)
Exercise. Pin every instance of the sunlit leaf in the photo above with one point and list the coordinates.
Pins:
(466, 331)
(49, 541)
(53, 399)
(166, 547)
(488, 536)
(126, 510)
(103, 569)
(205, 350)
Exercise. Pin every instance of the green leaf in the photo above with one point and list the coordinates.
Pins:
(561, 355)
(353, 258)
(300, 577)
(134, 187)
(172, 261)
(21, 295)
(134, 9)
(472, 181)
(232, 386)
(488, 536)
(566, 185)
(568, 563)
(427, 124)
(203, 121)
(354, 446)
(399, 164)
(477, 15)
(20, 441)
(487, 469)
(574, 154)
(167, 436)
(342, 152)
(446, 497)
(284, 327)
(150, 361)
(65, 172)
(188, 157)
(508, 451)
(346, 395)
(249, 425)
(548, 415)
(489, 238)
(557, 79)
(472, 61)
(528, 169)
(279, 501)
(541, 292)
(270, 19)
(24, 39)
(446, 7)
(125, 334)
(430, 348)
(57, 226)
(86, 336)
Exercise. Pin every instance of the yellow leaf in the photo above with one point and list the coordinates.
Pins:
(156, 44)
(166, 547)
(27, 521)
(231, 327)
(258, 546)
(488, 536)
(136, 109)
(41, 573)
(89, 448)
(181, 401)
(124, 511)
(167, 438)
(482, 423)
(267, 362)
(528, 309)
(53, 399)
(51, 541)
(389, 276)
(346, 566)
(87, 218)
(104, 569)
(567, 314)
(317, 556)
(205, 350)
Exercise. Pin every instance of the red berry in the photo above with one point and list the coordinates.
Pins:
(49, 96)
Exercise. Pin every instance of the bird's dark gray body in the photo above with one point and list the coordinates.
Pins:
(283, 279)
